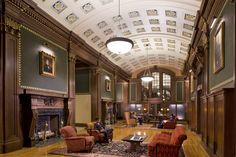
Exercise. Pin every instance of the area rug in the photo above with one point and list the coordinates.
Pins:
(113, 149)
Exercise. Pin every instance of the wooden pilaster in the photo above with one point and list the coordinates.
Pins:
(10, 132)
(71, 88)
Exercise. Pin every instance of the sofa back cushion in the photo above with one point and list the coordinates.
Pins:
(68, 131)
(178, 136)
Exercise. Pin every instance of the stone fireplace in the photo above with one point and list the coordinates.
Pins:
(42, 117)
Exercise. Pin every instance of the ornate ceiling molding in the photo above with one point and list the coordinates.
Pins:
(142, 21)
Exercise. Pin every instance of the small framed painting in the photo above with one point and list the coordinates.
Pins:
(108, 85)
(218, 49)
(47, 64)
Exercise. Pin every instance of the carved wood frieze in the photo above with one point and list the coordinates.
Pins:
(72, 58)
(12, 26)
(200, 40)
(39, 20)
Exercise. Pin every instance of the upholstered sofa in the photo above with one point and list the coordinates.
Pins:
(76, 142)
(130, 121)
(167, 144)
(170, 124)
(98, 136)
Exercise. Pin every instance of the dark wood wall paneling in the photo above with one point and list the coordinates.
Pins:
(218, 120)
(10, 123)
(2, 50)
(27, 13)
(211, 122)
(217, 109)
(204, 123)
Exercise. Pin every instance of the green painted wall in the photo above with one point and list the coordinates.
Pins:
(104, 92)
(179, 91)
(31, 45)
(227, 15)
(119, 92)
(82, 81)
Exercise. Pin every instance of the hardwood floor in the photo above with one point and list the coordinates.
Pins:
(192, 146)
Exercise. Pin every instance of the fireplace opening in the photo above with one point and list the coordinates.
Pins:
(47, 126)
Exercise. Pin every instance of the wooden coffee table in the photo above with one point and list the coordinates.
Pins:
(135, 141)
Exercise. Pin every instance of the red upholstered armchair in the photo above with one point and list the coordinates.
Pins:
(76, 142)
(170, 124)
(167, 144)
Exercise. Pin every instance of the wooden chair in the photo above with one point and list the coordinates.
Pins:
(130, 121)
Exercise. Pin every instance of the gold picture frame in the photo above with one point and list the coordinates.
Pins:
(47, 64)
(218, 49)
(108, 85)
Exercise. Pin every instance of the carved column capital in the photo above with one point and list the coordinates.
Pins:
(96, 70)
(72, 58)
(12, 26)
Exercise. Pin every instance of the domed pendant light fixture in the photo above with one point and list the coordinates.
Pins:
(147, 75)
(119, 45)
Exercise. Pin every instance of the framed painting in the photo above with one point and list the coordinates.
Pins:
(108, 85)
(47, 64)
(218, 49)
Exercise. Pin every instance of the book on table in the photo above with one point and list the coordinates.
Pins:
(136, 137)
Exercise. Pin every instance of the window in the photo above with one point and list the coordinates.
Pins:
(145, 90)
(156, 84)
(166, 86)
(166, 81)
(160, 87)
(156, 80)
(145, 84)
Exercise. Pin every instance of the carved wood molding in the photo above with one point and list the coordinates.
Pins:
(29, 11)
(208, 9)
(26, 8)
(72, 58)
(12, 26)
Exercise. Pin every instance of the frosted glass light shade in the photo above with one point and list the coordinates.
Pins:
(119, 45)
(147, 76)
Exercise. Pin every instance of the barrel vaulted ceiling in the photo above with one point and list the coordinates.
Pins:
(165, 25)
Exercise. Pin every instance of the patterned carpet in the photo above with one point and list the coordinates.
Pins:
(113, 149)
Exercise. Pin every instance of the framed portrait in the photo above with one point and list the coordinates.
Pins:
(108, 85)
(218, 49)
(47, 64)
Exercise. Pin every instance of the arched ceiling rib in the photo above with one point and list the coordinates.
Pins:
(167, 26)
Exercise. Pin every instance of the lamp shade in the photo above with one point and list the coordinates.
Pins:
(119, 45)
(147, 76)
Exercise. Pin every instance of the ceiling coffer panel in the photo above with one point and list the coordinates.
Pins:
(166, 26)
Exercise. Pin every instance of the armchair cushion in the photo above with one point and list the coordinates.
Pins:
(68, 131)
(167, 144)
(170, 124)
(76, 143)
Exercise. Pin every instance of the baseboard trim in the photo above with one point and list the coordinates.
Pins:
(11, 146)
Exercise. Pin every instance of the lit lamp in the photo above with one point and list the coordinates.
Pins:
(119, 45)
(147, 76)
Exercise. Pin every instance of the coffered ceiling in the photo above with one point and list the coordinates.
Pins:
(167, 26)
